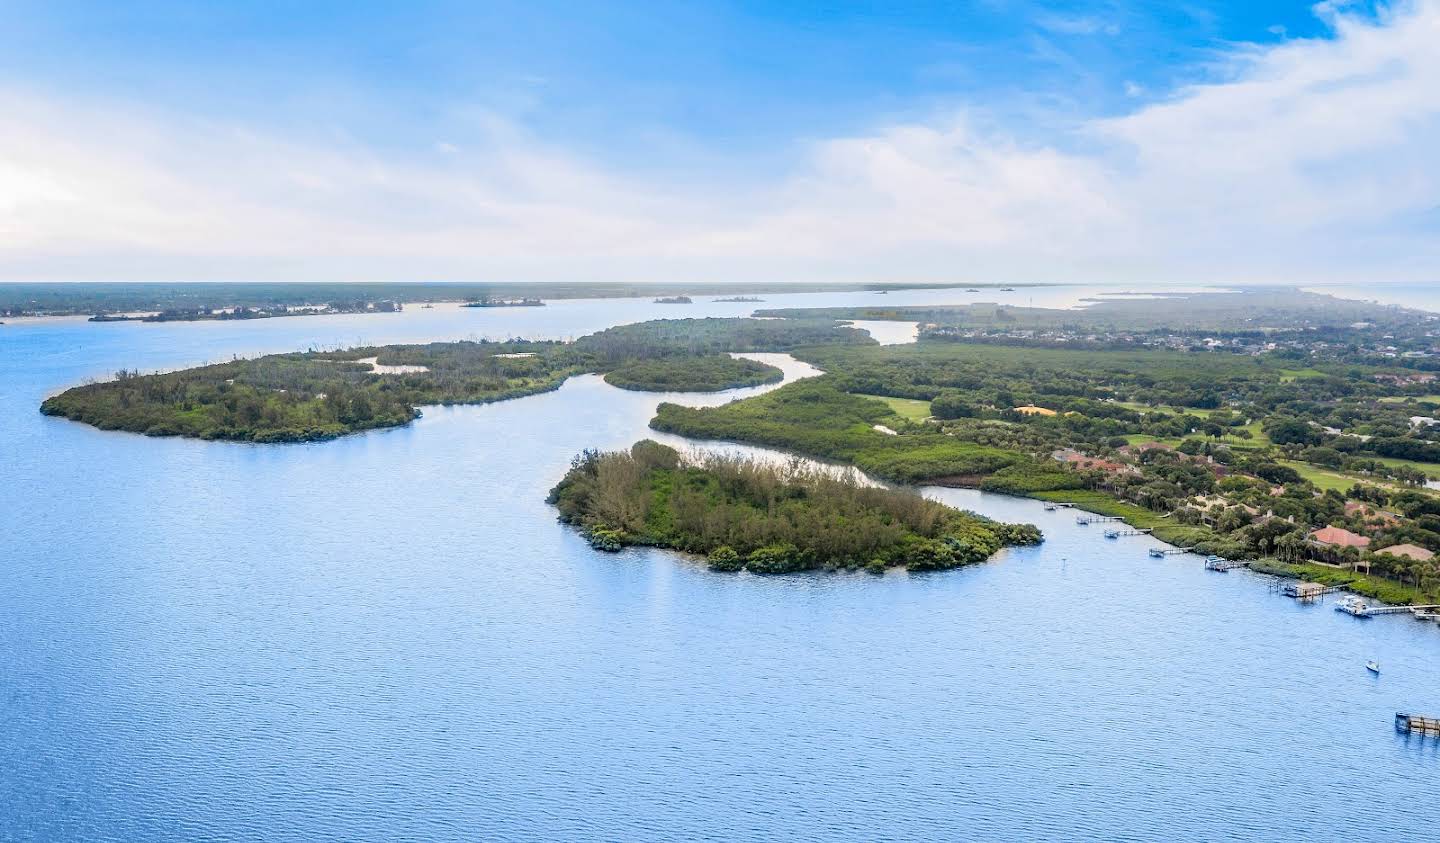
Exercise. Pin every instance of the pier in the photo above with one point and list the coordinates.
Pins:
(1413, 723)
(1162, 552)
(1115, 534)
(1216, 563)
(1082, 520)
(1361, 609)
(1051, 507)
(1309, 590)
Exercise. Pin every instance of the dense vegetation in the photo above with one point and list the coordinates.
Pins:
(314, 395)
(693, 373)
(1232, 455)
(664, 337)
(766, 518)
(319, 395)
(816, 418)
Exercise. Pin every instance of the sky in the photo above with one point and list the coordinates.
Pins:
(1140, 142)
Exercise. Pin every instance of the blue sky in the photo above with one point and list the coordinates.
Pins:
(629, 140)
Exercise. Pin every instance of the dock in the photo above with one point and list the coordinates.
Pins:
(1361, 609)
(1309, 590)
(1115, 534)
(1082, 520)
(1162, 552)
(1051, 507)
(1217, 563)
(1408, 723)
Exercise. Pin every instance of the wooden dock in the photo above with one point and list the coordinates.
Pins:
(1162, 552)
(1082, 520)
(1361, 609)
(1051, 507)
(1408, 723)
(1309, 590)
(1215, 563)
(1115, 534)
(1397, 610)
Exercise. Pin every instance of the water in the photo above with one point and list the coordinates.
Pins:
(1418, 296)
(389, 636)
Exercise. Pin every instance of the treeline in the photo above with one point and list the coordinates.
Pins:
(320, 395)
(769, 519)
(667, 337)
(693, 373)
(313, 395)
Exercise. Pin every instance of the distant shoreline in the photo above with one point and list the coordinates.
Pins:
(125, 301)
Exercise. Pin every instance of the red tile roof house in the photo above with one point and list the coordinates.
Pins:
(1340, 537)
(1370, 513)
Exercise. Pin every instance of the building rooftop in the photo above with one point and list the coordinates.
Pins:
(1340, 537)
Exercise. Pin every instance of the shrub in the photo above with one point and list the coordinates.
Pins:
(724, 558)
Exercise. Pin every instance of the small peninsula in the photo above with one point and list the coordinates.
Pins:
(767, 518)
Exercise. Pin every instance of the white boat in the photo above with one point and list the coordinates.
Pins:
(1353, 606)
(1372, 666)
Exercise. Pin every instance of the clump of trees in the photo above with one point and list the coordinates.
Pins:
(767, 518)
(693, 373)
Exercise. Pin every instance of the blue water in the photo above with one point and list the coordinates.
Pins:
(389, 636)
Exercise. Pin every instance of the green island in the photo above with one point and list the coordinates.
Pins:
(316, 395)
(767, 518)
(693, 373)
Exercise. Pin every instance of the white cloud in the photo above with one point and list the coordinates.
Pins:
(1077, 25)
(1313, 160)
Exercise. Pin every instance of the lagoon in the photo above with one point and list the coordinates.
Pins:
(390, 636)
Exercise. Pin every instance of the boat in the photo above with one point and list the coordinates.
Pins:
(1372, 666)
(1353, 606)
(1157, 553)
(1112, 534)
(1049, 507)
(972, 290)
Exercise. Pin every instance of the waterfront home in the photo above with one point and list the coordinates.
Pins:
(1339, 537)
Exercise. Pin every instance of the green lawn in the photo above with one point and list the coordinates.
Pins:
(1287, 375)
(1328, 478)
(1432, 470)
(1401, 399)
(1165, 408)
(906, 408)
